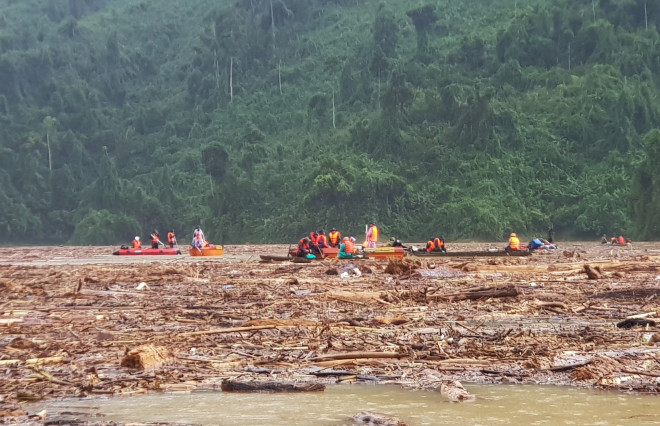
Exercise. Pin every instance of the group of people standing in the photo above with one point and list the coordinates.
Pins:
(155, 240)
(198, 240)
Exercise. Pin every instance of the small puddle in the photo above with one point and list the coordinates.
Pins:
(495, 404)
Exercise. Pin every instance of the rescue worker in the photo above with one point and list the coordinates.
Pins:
(137, 244)
(514, 243)
(536, 243)
(334, 238)
(603, 239)
(430, 246)
(198, 237)
(372, 236)
(303, 248)
(171, 238)
(439, 243)
(155, 239)
(322, 239)
(346, 249)
(622, 241)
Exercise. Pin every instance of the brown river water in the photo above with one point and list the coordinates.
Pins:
(495, 405)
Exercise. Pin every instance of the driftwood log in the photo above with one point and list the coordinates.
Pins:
(372, 419)
(270, 386)
(480, 293)
(147, 357)
(450, 389)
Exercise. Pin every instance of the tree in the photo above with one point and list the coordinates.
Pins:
(49, 124)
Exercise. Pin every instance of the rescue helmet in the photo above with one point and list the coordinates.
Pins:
(352, 239)
(344, 239)
(137, 238)
(513, 234)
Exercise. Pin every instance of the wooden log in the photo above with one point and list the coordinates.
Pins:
(373, 419)
(355, 355)
(147, 357)
(480, 293)
(648, 314)
(450, 389)
(593, 272)
(635, 322)
(226, 330)
(270, 386)
(47, 360)
(455, 392)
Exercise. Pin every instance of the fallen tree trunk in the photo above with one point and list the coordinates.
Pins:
(480, 293)
(373, 419)
(237, 386)
(356, 355)
(450, 389)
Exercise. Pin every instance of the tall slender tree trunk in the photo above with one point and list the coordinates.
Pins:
(333, 109)
(272, 22)
(593, 8)
(646, 18)
(50, 163)
(231, 79)
(569, 55)
(279, 75)
(378, 89)
(217, 68)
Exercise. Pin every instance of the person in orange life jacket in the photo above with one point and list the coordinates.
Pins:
(171, 238)
(303, 248)
(430, 246)
(514, 243)
(372, 236)
(314, 243)
(334, 238)
(622, 240)
(439, 243)
(346, 249)
(322, 240)
(137, 244)
(155, 239)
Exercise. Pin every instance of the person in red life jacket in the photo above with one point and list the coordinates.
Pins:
(137, 244)
(430, 246)
(303, 248)
(514, 243)
(439, 243)
(622, 240)
(322, 239)
(613, 241)
(372, 236)
(171, 238)
(334, 238)
(155, 239)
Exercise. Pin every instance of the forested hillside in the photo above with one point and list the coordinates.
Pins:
(264, 119)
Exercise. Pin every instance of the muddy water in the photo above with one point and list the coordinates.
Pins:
(509, 405)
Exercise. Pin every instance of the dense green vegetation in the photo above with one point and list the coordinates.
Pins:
(262, 120)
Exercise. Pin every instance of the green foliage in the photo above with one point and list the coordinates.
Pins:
(100, 227)
(645, 194)
(264, 120)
